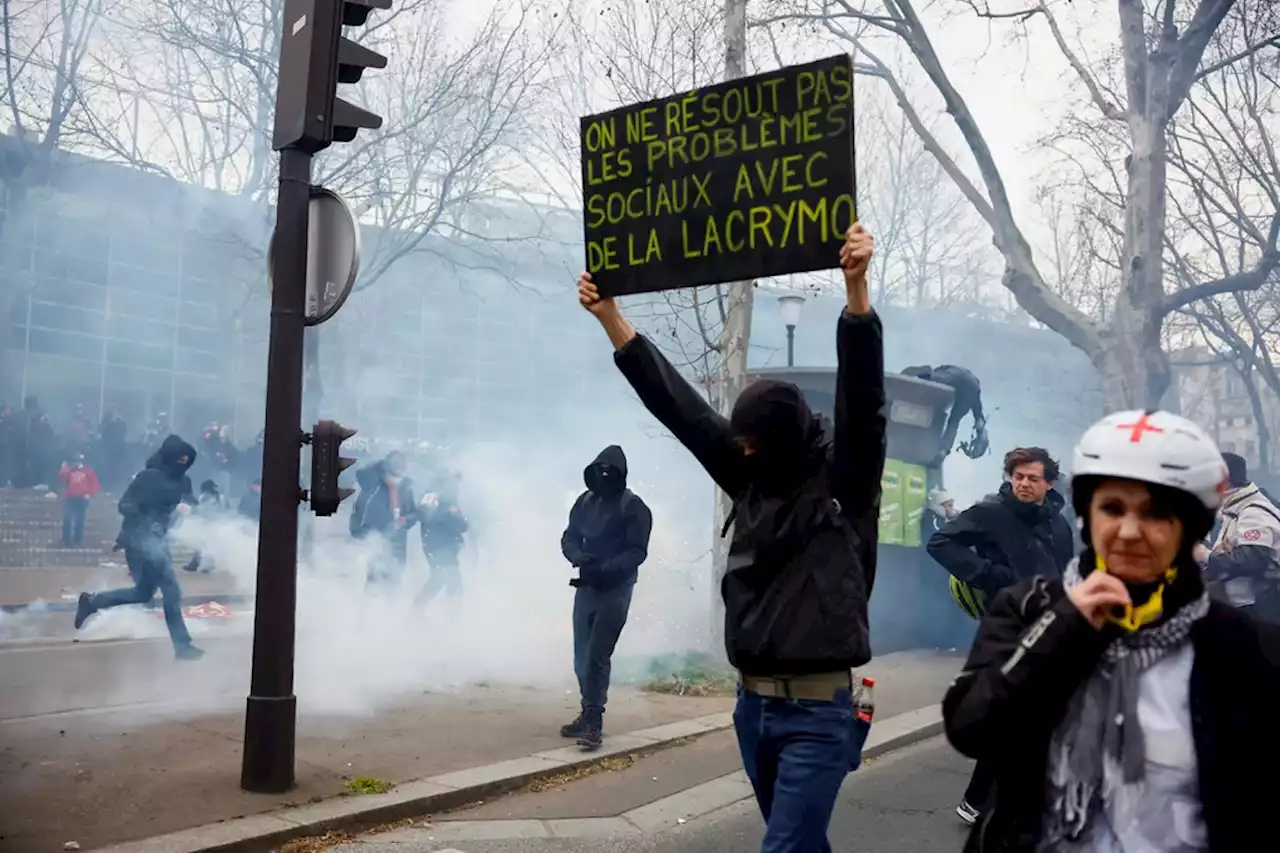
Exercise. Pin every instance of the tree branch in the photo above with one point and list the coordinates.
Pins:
(1251, 279)
(1209, 15)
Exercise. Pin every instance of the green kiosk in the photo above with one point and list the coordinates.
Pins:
(911, 606)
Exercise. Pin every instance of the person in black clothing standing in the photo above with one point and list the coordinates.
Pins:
(606, 540)
(802, 556)
(1008, 537)
(148, 507)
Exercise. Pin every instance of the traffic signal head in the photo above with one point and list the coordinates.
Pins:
(314, 58)
(327, 464)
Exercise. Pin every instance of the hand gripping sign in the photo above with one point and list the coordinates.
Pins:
(745, 179)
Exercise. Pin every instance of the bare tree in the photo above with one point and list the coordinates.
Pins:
(45, 45)
(1225, 210)
(196, 85)
(1159, 51)
(204, 75)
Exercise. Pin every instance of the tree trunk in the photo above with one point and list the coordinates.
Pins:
(734, 339)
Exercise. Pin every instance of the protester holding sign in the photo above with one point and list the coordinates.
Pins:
(802, 557)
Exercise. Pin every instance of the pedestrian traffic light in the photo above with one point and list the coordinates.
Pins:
(327, 464)
(314, 58)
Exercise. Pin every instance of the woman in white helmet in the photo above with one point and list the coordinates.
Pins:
(1122, 709)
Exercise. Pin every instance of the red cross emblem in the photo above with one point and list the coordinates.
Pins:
(1141, 426)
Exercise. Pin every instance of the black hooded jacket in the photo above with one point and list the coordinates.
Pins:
(148, 503)
(802, 557)
(607, 537)
(1000, 540)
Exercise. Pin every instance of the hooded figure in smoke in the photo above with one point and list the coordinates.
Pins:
(148, 507)
(385, 508)
(607, 539)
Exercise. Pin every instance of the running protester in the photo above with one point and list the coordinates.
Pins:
(1122, 709)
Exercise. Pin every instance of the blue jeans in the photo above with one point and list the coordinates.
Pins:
(598, 619)
(73, 512)
(151, 567)
(796, 752)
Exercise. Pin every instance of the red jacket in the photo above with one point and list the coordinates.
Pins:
(79, 483)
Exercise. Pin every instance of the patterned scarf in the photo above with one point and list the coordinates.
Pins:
(1101, 723)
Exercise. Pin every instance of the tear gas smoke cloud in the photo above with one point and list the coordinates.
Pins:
(357, 654)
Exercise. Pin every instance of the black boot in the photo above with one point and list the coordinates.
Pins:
(593, 735)
(84, 609)
(576, 729)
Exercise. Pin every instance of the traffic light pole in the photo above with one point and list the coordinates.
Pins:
(271, 711)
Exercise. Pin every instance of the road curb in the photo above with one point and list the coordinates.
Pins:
(698, 801)
(61, 606)
(263, 833)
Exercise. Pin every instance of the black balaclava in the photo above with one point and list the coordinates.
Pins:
(786, 434)
(606, 476)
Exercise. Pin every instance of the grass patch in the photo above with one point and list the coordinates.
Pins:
(368, 785)
(690, 675)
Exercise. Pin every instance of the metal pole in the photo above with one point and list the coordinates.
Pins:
(271, 710)
(791, 346)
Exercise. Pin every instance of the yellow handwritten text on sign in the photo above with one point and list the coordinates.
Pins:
(748, 178)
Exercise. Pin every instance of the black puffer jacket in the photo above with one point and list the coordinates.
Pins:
(1000, 540)
(148, 503)
(1034, 649)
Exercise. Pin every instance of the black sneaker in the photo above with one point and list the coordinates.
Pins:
(188, 653)
(84, 609)
(593, 733)
(576, 729)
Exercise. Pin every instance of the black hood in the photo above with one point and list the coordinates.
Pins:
(607, 475)
(789, 439)
(1032, 513)
(166, 458)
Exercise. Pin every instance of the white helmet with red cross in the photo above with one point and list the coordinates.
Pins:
(1154, 447)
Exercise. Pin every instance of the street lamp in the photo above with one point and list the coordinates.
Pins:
(789, 304)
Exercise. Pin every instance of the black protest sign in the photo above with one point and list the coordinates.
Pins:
(745, 179)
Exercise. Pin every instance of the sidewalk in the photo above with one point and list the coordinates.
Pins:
(57, 588)
(107, 776)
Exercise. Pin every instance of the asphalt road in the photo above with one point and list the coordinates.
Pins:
(903, 802)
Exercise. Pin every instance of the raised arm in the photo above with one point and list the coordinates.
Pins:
(667, 395)
(859, 448)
